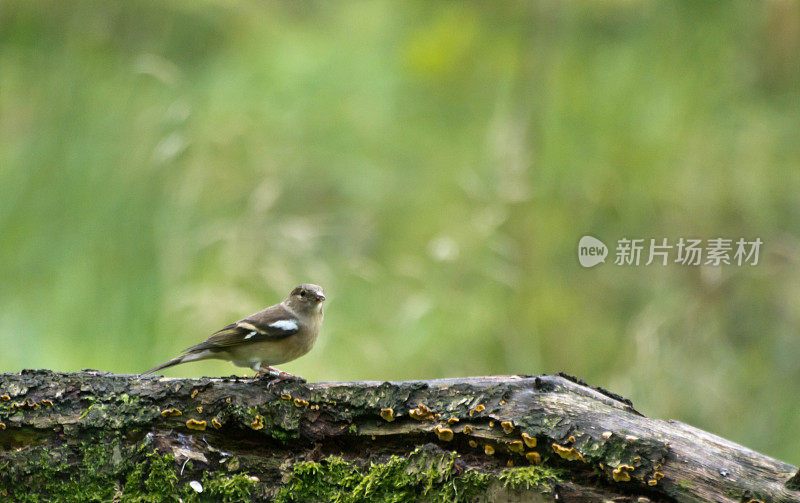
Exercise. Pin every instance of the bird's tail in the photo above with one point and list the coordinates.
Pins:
(188, 357)
(184, 358)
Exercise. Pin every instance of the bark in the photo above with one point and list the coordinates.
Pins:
(94, 435)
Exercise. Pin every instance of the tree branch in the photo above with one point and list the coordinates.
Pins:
(94, 435)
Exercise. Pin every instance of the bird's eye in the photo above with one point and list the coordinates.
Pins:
(302, 293)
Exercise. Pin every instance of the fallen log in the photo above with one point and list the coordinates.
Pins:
(95, 436)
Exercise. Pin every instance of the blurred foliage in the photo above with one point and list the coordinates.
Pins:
(169, 167)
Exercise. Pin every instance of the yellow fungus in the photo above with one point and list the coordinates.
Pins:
(452, 420)
(216, 424)
(473, 444)
(286, 396)
(568, 453)
(300, 403)
(2, 426)
(47, 403)
(488, 449)
(502, 402)
(652, 482)
(510, 463)
(421, 413)
(199, 410)
(658, 475)
(508, 427)
(194, 424)
(478, 408)
(195, 392)
(171, 412)
(622, 473)
(228, 400)
(387, 414)
(529, 440)
(444, 434)
(516, 446)
(606, 435)
(467, 429)
(4, 398)
(257, 423)
(491, 424)
(533, 457)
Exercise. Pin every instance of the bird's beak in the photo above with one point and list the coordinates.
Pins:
(320, 296)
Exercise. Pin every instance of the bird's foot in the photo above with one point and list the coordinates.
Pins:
(274, 375)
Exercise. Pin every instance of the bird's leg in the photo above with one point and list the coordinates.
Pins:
(282, 375)
(268, 371)
(278, 375)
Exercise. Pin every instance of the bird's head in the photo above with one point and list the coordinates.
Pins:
(306, 297)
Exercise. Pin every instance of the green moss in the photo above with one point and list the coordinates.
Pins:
(221, 488)
(92, 404)
(152, 480)
(110, 470)
(40, 474)
(324, 481)
(281, 435)
(105, 471)
(423, 476)
(35, 474)
(529, 477)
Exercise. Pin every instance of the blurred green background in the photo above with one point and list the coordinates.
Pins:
(167, 168)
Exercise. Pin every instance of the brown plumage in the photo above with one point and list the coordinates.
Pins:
(276, 335)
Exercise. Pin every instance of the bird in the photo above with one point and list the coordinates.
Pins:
(275, 335)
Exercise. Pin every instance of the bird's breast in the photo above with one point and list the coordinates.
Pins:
(275, 352)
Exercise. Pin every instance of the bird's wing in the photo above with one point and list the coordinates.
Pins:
(273, 323)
